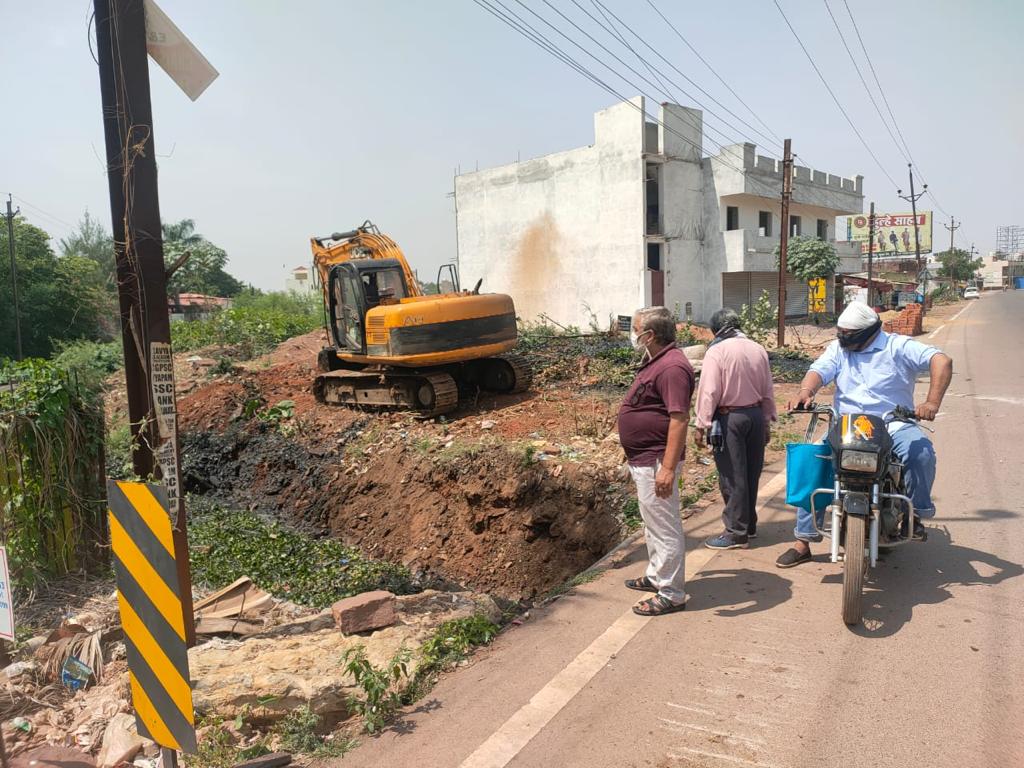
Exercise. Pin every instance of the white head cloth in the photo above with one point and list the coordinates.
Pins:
(857, 316)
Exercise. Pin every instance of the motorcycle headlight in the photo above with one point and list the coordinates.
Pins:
(859, 461)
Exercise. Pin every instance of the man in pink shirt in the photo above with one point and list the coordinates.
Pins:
(736, 392)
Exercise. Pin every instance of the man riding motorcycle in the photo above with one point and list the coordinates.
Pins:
(874, 372)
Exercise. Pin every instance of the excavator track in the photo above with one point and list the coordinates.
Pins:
(426, 394)
(507, 374)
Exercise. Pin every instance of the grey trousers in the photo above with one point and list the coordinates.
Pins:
(739, 462)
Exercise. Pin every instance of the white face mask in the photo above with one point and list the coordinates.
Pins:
(634, 339)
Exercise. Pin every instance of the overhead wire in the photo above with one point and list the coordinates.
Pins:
(834, 97)
(44, 213)
(618, 59)
(892, 116)
(603, 9)
(713, 71)
(864, 82)
(524, 28)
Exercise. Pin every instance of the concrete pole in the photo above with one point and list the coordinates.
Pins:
(14, 279)
(787, 193)
(871, 250)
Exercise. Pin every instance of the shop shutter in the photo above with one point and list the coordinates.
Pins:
(735, 289)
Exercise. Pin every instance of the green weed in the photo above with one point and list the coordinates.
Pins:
(631, 514)
(382, 697)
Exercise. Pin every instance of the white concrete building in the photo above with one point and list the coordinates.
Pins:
(300, 282)
(641, 218)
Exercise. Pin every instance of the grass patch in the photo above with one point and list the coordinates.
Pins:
(631, 514)
(576, 581)
(703, 487)
(227, 544)
(299, 735)
(454, 640)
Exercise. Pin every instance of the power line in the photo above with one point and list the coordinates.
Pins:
(618, 59)
(864, 82)
(878, 82)
(713, 71)
(42, 212)
(833, 95)
(524, 28)
(599, 5)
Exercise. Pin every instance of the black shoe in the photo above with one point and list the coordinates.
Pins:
(727, 541)
(920, 533)
(752, 534)
(792, 557)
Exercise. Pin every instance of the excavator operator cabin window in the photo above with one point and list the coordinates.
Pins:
(384, 285)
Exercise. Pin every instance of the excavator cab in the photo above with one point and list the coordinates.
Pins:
(357, 287)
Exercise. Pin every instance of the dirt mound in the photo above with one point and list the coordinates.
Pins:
(483, 515)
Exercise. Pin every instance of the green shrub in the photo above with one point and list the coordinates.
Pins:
(254, 324)
(382, 697)
(226, 544)
(90, 361)
(453, 640)
(759, 320)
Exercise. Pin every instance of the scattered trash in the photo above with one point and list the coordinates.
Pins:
(488, 424)
(22, 724)
(75, 674)
(19, 668)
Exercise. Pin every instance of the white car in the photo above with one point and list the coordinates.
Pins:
(971, 293)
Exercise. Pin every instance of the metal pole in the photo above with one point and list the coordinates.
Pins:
(871, 250)
(14, 277)
(787, 192)
(917, 236)
(138, 249)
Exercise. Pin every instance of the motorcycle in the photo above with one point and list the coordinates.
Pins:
(870, 507)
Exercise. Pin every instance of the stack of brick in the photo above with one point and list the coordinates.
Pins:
(908, 322)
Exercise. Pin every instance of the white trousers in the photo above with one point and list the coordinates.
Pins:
(666, 542)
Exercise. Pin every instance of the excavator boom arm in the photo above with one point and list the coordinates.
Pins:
(365, 242)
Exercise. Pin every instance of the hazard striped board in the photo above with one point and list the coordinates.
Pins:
(151, 613)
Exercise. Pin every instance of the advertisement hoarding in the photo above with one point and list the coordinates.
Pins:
(894, 232)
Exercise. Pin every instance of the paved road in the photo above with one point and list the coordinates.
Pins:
(760, 670)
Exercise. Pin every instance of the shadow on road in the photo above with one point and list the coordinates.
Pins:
(922, 574)
(406, 723)
(982, 514)
(738, 592)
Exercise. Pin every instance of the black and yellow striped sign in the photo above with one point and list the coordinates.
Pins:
(151, 613)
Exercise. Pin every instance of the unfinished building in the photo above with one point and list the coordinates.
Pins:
(640, 218)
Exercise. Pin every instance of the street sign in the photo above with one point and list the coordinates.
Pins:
(6, 599)
(175, 53)
(151, 613)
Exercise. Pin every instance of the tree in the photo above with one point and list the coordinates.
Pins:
(92, 241)
(60, 298)
(809, 258)
(958, 265)
(204, 271)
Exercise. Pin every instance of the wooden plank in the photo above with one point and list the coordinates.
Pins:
(273, 760)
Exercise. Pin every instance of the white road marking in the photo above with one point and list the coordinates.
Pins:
(515, 733)
(935, 333)
(954, 317)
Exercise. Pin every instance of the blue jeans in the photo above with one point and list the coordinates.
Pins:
(917, 453)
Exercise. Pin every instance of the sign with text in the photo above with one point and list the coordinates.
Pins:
(894, 232)
(6, 600)
(175, 53)
(162, 382)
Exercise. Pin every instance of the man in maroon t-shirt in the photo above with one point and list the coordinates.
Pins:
(652, 428)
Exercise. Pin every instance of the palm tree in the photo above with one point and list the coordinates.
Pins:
(183, 232)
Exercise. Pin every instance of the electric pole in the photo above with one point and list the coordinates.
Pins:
(787, 193)
(952, 227)
(912, 199)
(141, 276)
(871, 250)
(14, 275)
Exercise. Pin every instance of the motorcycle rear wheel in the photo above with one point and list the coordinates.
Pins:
(854, 565)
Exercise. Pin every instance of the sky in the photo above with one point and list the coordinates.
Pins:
(330, 112)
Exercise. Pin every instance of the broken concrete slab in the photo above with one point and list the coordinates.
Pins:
(365, 612)
(121, 741)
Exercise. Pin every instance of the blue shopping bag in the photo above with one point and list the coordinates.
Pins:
(808, 467)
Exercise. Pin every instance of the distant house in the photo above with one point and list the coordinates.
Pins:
(194, 306)
(300, 282)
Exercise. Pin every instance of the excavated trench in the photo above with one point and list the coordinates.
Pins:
(482, 516)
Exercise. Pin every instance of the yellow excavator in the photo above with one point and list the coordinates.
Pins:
(394, 347)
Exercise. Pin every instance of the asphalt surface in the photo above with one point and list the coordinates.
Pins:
(760, 670)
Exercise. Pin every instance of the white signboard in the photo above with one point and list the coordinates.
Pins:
(6, 600)
(175, 53)
(161, 363)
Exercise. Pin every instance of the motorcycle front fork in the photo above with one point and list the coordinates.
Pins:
(874, 526)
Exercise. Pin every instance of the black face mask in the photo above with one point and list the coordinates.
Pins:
(858, 339)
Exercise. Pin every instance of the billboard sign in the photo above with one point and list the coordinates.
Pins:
(894, 232)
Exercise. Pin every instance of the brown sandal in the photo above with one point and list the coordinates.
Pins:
(643, 584)
(658, 606)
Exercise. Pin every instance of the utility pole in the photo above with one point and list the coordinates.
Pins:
(871, 250)
(787, 193)
(14, 280)
(912, 199)
(952, 227)
(141, 276)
